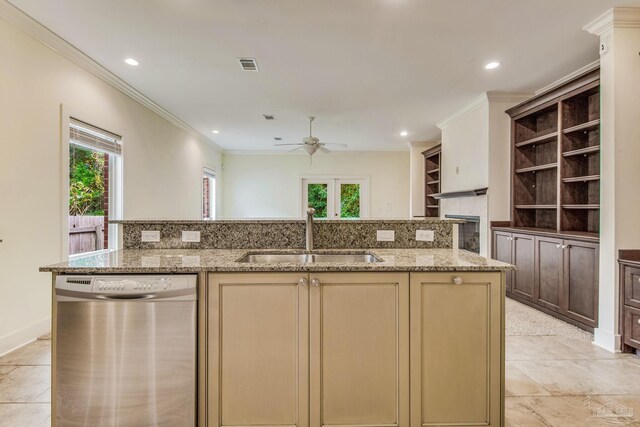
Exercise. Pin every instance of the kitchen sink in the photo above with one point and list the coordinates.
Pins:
(305, 258)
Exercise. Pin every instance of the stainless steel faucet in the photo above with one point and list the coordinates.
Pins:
(309, 229)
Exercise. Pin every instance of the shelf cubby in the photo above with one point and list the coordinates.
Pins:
(581, 108)
(539, 124)
(432, 180)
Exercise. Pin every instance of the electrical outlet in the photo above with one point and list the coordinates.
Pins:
(386, 235)
(191, 236)
(150, 236)
(424, 235)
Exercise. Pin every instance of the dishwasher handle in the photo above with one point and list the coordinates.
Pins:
(164, 295)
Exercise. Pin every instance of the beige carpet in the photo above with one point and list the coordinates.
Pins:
(524, 320)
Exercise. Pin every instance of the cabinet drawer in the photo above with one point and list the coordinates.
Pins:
(632, 286)
(632, 326)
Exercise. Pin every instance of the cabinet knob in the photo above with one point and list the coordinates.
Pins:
(315, 282)
(302, 282)
(638, 320)
(457, 280)
(558, 246)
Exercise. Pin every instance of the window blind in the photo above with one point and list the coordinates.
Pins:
(88, 136)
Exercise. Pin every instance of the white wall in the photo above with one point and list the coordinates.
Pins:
(476, 153)
(268, 185)
(416, 148)
(162, 169)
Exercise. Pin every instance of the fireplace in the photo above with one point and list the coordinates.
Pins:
(468, 232)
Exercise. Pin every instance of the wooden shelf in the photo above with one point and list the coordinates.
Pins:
(586, 150)
(536, 206)
(434, 170)
(583, 126)
(581, 178)
(433, 182)
(537, 168)
(433, 206)
(539, 139)
(585, 206)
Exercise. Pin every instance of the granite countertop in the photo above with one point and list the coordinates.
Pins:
(225, 260)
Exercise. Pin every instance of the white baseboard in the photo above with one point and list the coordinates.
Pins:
(23, 336)
(607, 340)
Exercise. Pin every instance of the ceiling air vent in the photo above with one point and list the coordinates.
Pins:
(269, 116)
(277, 138)
(248, 64)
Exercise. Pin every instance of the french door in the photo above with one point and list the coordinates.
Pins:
(336, 198)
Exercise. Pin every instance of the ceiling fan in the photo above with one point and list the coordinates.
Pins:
(311, 144)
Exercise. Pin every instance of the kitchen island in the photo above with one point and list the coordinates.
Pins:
(415, 339)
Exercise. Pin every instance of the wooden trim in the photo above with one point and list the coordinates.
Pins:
(54, 358)
(549, 97)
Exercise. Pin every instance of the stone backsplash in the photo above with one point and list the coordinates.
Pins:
(287, 234)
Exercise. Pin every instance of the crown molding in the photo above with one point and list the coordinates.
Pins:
(561, 81)
(618, 17)
(485, 98)
(473, 105)
(44, 35)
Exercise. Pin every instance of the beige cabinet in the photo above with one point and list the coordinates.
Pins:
(258, 350)
(359, 340)
(457, 349)
(333, 349)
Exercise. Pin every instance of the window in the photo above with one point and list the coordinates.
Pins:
(94, 187)
(208, 194)
(336, 198)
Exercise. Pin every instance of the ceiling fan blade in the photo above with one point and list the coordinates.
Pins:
(282, 145)
(324, 150)
(333, 143)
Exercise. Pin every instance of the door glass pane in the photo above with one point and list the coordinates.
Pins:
(317, 199)
(349, 200)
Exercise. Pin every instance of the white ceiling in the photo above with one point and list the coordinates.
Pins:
(366, 68)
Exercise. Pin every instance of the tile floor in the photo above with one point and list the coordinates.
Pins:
(554, 381)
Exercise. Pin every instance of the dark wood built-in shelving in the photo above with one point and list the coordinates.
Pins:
(553, 234)
(432, 159)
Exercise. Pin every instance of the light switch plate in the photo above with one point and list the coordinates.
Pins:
(424, 235)
(150, 236)
(385, 235)
(191, 236)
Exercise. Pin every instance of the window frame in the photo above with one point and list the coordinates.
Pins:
(333, 194)
(210, 174)
(116, 188)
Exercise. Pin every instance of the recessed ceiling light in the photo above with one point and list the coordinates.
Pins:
(491, 65)
(131, 61)
(404, 133)
(215, 131)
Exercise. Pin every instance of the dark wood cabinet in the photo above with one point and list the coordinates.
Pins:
(502, 252)
(629, 323)
(523, 258)
(580, 285)
(432, 162)
(556, 275)
(548, 267)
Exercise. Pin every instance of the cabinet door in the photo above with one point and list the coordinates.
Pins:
(359, 343)
(548, 272)
(258, 350)
(523, 258)
(457, 349)
(502, 251)
(631, 286)
(581, 281)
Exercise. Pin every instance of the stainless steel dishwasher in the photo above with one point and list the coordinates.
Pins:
(126, 350)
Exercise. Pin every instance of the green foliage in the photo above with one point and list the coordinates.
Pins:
(317, 199)
(86, 181)
(350, 201)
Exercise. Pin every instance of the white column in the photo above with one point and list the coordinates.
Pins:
(619, 32)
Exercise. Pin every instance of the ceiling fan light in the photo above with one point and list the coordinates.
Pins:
(311, 149)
